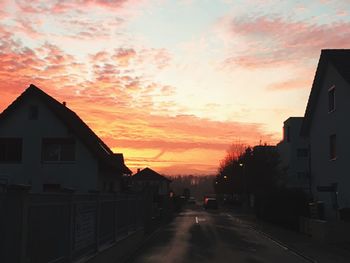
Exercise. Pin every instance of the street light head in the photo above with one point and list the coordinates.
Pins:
(225, 176)
(241, 164)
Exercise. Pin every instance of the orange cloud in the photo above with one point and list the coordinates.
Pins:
(124, 108)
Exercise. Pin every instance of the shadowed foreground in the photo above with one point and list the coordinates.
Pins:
(201, 236)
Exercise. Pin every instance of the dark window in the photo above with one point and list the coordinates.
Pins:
(111, 187)
(331, 99)
(302, 152)
(10, 150)
(33, 112)
(51, 187)
(58, 150)
(301, 175)
(332, 146)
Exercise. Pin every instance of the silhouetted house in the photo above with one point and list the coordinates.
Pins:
(46, 145)
(327, 125)
(147, 178)
(294, 155)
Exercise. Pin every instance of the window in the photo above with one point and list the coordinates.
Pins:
(10, 150)
(111, 187)
(301, 175)
(332, 147)
(51, 187)
(331, 99)
(58, 150)
(33, 112)
(302, 152)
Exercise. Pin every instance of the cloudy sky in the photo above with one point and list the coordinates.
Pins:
(171, 84)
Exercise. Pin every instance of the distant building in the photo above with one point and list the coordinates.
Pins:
(46, 145)
(326, 124)
(147, 178)
(294, 154)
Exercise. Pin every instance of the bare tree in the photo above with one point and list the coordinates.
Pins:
(233, 153)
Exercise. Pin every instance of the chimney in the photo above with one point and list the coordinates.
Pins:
(138, 170)
(64, 104)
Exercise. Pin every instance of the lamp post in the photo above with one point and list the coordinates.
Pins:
(245, 182)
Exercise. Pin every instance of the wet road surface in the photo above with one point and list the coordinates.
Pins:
(197, 235)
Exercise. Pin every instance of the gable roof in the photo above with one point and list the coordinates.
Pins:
(76, 125)
(149, 174)
(340, 59)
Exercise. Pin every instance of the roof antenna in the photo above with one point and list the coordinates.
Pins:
(64, 104)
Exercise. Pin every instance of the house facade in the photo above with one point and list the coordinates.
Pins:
(148, 178)
(294, 154)
(326, 124)
(46, 145)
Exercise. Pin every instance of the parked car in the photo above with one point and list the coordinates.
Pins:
(210, 203)
(191, 200)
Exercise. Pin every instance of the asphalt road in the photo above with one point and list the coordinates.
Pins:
(197, 235)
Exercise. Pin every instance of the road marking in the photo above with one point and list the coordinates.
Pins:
(197, 220)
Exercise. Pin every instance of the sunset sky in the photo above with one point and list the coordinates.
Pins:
(171, 84)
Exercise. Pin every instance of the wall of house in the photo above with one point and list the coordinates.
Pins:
(109, 181)
(296, 168)
(162, 186)
(80, 174)
(324, 171)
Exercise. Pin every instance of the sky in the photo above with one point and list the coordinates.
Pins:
(171, 84)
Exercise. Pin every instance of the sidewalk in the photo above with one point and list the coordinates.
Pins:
(297, 242)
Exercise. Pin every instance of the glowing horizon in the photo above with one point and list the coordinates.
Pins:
(171, 84)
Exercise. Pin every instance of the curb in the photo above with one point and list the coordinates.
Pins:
(275, 240)
(284, 245)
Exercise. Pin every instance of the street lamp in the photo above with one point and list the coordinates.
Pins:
(245, 182)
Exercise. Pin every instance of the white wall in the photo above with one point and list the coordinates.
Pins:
(82, 174)
(290, 162)
(326, 171)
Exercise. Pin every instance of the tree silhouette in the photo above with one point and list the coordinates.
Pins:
(253, 171)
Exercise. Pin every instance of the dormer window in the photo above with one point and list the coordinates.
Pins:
(33, 113)
(331, 99)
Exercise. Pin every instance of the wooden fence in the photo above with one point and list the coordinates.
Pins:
(65, 227)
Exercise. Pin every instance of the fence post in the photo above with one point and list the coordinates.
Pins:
(115, 217)
(98, 217)
(25, 210)
(71, 227)
(147, 211)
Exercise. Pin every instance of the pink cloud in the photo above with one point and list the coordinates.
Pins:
(273, 41)
(290, 84)
(58, 7)
(123, 56)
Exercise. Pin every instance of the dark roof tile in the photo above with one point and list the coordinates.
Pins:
(149, 174)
